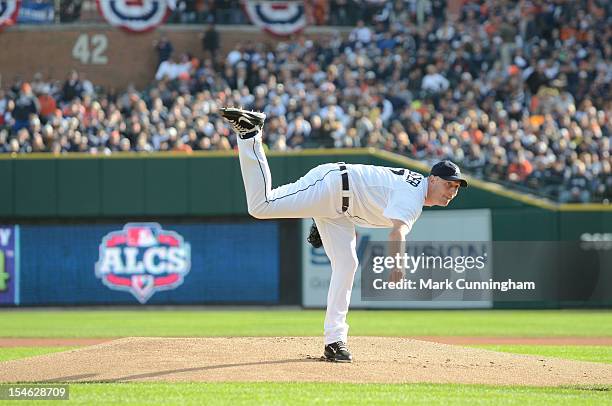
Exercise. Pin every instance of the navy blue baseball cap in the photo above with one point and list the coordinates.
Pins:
(448, 171)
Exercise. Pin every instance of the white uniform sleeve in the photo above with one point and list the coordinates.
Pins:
(401, 208)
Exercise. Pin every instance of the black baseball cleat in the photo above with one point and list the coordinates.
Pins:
(246, 124)
(337, 352)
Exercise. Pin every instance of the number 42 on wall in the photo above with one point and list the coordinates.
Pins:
(90, 49)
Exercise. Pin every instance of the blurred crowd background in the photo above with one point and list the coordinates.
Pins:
(227, 12)
(515, 92)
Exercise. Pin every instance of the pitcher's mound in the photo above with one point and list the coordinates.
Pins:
(377, 359)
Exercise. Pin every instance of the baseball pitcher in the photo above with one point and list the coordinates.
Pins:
(338, 196)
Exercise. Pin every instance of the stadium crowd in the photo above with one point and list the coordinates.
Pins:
(226, 12)
(514, 92)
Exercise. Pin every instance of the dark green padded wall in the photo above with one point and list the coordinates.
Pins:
(7, 190)
(79, 188)
(526, 224)
(211, 185)
(123, 187)
(574, 224)
(166, 186)
(35, 187)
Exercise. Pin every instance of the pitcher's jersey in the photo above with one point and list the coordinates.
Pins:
(380, 194)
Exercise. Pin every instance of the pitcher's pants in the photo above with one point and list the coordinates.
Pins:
(318, 194)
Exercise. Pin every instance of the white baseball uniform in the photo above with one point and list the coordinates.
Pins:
(375, 196)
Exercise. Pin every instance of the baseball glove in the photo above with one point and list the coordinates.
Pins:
(314, 238)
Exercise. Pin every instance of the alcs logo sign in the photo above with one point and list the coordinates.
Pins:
(143, 259)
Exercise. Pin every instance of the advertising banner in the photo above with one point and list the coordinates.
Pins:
(438, 225)
(36, 12)
(9, 284)
(9, 10)
(150, 263)
(165, 260)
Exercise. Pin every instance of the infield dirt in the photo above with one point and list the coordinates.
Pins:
(281, 359)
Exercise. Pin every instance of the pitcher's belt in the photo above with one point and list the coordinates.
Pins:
(345, 186)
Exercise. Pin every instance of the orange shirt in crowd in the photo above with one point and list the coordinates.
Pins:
(47, 105)
(183, 148)
(521, 169)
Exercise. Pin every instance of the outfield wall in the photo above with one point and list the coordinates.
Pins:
(63, 208)
(83, 187)
(205, 184)
(214, 263)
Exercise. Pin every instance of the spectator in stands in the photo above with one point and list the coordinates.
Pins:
(211, 42)
(298, 131)
(317, 11)
(86, 85)
(520, 168)
(434, 82)
(6, 107)
(603, 182)
(186, 11)
(173, 69)
(26, 105)
(47, 103)
(37, 83)
(339, 12)
(163, 48)
(578, 185)
(72, 88)
(361, 34)
(70, 10)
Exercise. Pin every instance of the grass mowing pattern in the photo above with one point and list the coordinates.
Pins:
(322, 393)
(209, 323)
(8, 353)
(592, 353)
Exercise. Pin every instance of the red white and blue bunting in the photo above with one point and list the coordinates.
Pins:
(280, 18)
(135, 15)
(9, 9)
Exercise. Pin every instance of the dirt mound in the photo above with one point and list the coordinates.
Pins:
(276, 359)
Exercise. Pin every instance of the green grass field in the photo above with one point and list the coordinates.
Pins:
(326, 394)
(207, 323)
(591, 353)
(8, 353)
(288, 323)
